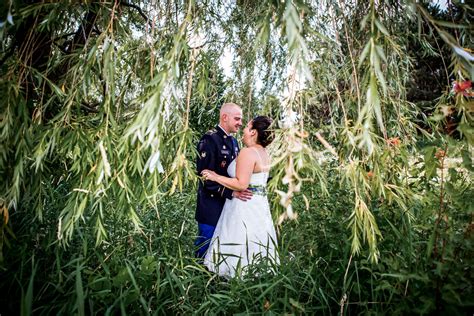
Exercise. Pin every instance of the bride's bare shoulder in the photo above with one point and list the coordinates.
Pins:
(246, 153)
(245, 150)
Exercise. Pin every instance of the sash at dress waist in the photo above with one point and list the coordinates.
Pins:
(258, 189)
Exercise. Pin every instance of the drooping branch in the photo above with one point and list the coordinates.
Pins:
(91, 108)
(138, 9)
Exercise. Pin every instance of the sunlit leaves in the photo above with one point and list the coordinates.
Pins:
(112, 117)
(296, 43)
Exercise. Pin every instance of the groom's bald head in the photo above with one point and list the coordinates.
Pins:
(228, 108)
(230, 117)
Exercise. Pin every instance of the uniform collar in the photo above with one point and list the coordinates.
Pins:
(222, 130)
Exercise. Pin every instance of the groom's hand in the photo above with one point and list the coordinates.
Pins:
(244, 195)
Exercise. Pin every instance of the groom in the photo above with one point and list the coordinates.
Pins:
(216, 150)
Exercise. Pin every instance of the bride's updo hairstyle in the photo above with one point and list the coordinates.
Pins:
(264, 134)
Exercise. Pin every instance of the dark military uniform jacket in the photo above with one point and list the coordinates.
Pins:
(216, 151)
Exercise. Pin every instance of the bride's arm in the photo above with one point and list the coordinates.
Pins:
(244, 169)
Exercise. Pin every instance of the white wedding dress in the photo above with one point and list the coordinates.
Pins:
(244, 233)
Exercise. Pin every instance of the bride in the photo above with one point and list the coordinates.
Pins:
(245, 233)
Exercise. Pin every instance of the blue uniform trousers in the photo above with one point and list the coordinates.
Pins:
(203, 239)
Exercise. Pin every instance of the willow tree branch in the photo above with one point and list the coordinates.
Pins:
(92, 108)
(138, 9)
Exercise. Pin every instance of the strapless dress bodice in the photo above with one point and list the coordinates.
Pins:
(257, 179)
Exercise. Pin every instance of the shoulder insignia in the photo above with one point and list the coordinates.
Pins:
(211, 132)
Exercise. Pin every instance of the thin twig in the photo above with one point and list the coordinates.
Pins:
(190, 86)
(354, 68)
(344, 296)
(326, 144)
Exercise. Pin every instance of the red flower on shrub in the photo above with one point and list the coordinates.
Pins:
(463, 87)
(393, 141)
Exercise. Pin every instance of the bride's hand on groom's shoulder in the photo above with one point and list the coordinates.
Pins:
(244, 195)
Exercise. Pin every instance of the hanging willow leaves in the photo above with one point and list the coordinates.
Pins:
(103, 102)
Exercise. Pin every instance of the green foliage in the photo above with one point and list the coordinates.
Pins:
(153, 271)
(101, 107)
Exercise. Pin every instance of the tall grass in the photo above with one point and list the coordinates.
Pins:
(153, 271)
